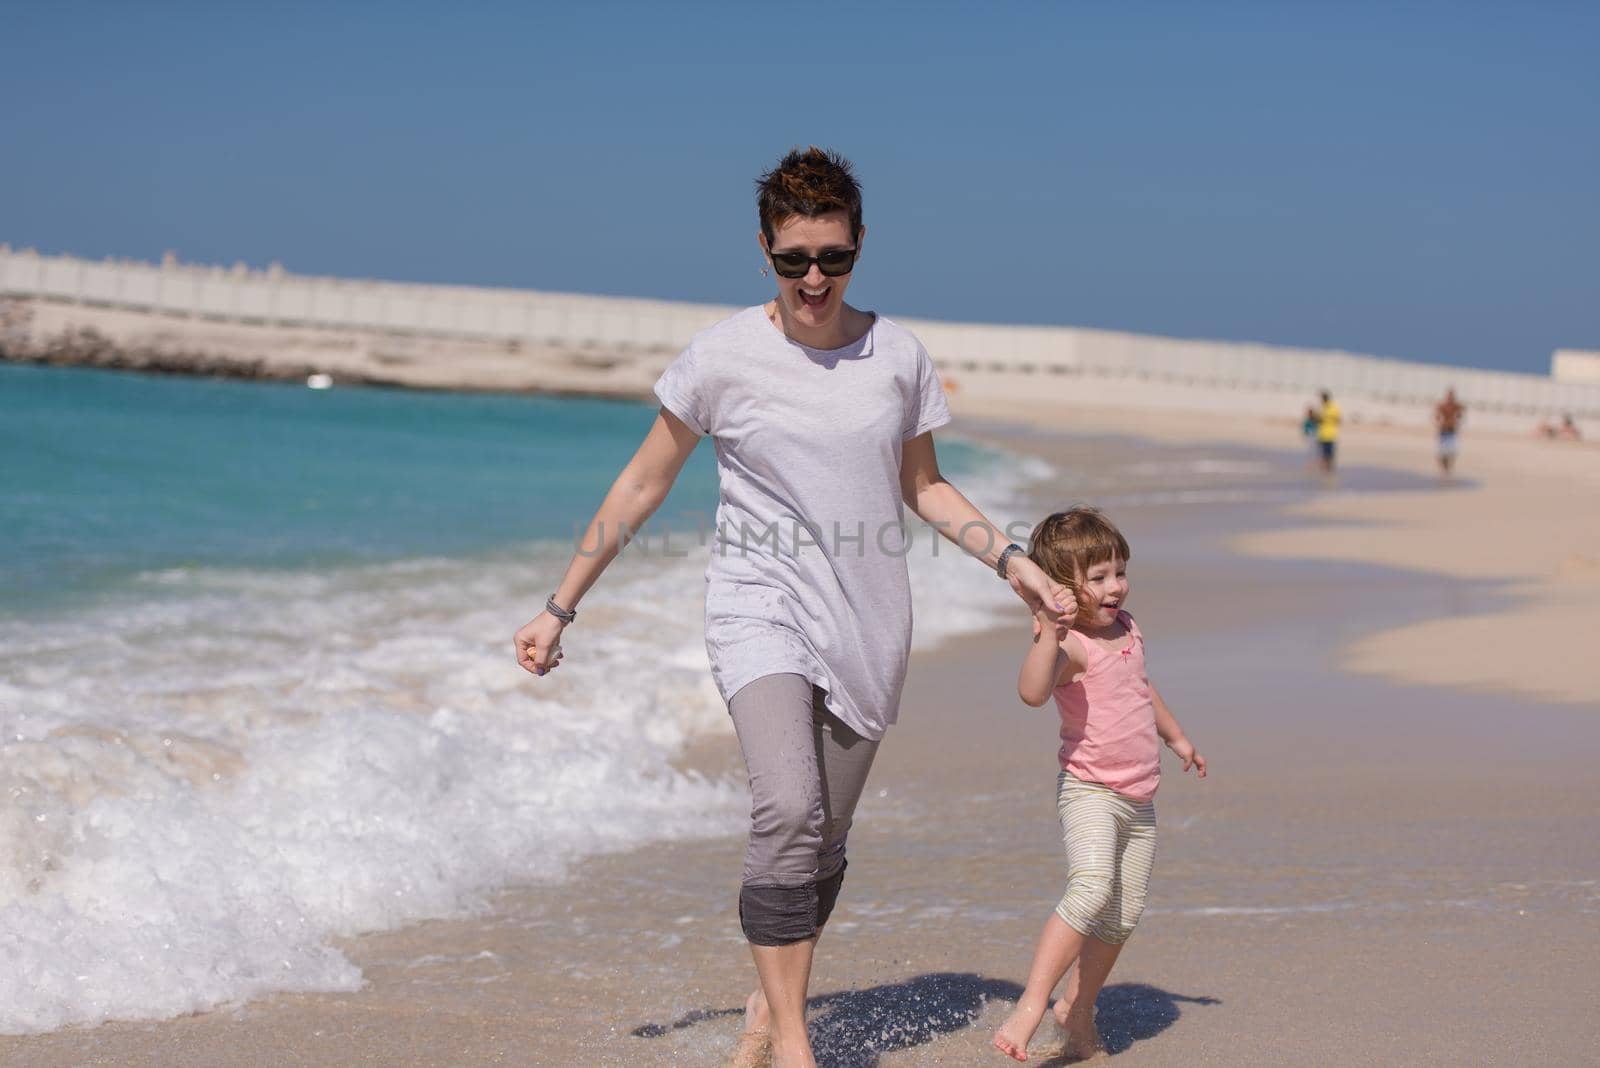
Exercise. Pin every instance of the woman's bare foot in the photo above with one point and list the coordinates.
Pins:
(1012, 1038)
(754, 1049)
(757, 1017)
(797, 1055)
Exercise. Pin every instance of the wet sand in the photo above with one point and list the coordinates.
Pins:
(1376, 872)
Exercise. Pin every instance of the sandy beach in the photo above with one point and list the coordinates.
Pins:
(1389, 676)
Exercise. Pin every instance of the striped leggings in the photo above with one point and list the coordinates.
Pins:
(1111, 846)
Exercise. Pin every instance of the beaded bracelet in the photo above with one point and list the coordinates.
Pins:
(1005, 558)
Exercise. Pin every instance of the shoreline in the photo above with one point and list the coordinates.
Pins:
(89, 350)
(596, 376)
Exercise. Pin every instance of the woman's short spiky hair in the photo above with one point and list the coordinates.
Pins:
(1067, 544)
(808, 184)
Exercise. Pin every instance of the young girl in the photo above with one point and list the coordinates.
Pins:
(1111, 716)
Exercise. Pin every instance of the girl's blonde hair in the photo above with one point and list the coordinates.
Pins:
(1067, 544)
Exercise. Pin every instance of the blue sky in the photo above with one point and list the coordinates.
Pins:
(1413, 180)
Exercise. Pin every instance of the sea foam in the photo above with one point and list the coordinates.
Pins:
(211, 776)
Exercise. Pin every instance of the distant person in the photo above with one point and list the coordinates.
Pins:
(1308, 428)
(1566, 430)
(1113, 722)
(1447, 416)
(1328, 418)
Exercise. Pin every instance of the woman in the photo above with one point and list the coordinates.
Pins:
(822, 417)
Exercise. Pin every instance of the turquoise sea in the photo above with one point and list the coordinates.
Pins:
(109, 474)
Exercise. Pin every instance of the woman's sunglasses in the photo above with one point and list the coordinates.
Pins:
(832, 263)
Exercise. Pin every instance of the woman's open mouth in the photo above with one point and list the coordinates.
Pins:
(814, 298)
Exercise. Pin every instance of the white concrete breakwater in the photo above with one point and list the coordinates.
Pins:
(271, 323)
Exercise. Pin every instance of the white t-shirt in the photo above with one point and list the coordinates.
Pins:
(808, 571)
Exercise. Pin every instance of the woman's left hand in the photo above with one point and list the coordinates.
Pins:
(1039, 590)
(538, 644)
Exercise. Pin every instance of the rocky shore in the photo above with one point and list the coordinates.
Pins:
(87, 347)
(77, 335)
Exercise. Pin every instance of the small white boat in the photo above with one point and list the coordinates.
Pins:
(319, 381)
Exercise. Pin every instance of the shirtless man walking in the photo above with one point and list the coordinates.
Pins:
(1447, 416)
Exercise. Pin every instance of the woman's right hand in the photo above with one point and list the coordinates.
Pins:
(538, 644)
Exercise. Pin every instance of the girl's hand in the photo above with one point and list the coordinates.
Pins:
(1039, 591)
(1061, 624)
(1185, 751)
(538, 644)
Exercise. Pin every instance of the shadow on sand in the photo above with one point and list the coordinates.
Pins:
(1127, 1013)
(853, 1028)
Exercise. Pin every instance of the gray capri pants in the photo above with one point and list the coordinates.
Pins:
(807, 770)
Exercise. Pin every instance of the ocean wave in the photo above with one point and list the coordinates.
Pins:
(215, 772)
(205, 787)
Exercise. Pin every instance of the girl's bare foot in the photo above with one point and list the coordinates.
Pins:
(1012, 1038)
(1083, 1038)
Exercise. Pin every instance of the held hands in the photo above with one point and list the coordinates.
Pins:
(538, 644)
(1185, 751)
(1058, 623)
(1041, 593)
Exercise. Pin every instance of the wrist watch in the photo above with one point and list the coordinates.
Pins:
(1005, 558)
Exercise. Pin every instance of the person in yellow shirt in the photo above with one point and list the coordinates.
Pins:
(1328, 430)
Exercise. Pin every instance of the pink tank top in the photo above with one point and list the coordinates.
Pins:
(1108, 722)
